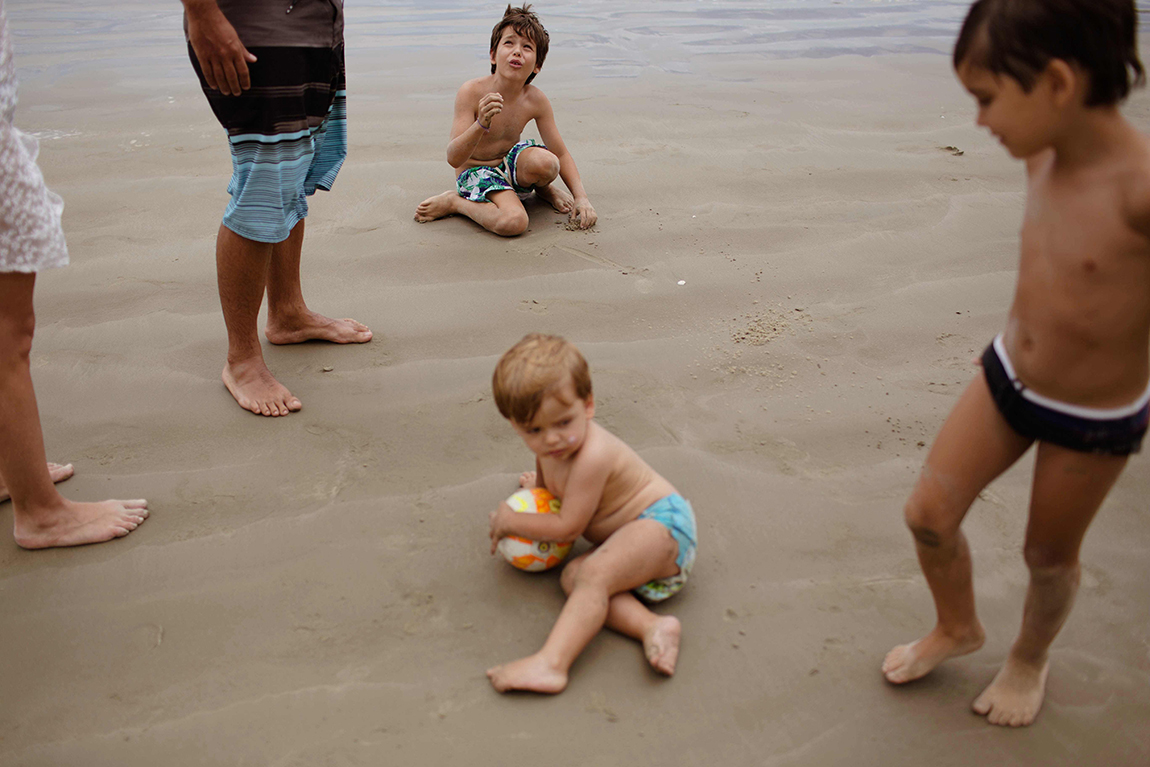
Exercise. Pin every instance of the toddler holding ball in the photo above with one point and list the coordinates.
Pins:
(643, 531)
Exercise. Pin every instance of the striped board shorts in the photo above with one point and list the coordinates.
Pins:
(288, 136)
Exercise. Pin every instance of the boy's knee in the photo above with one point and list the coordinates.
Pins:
(16, 334)
(511, 224)
(929, 520)
(542, 168)
(567, 577)
(1048, 558)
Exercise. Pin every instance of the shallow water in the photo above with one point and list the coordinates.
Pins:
(57, 37)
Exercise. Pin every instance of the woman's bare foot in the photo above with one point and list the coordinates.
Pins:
(908, 662)
(436, 207)
(661, 644)
(74, 524)
(257, 390)
(310, 326)
(57, 472)
(560, 199)
(527, 479)
(1015, 695)
(532, 673)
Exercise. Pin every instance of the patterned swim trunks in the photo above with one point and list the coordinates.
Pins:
(675, 513)
(478, 182)
(288, 136)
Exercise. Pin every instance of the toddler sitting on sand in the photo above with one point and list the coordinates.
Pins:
(643, 530)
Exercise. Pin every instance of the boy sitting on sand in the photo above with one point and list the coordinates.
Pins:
(643, 530)
(493, 168)
(1070, 370)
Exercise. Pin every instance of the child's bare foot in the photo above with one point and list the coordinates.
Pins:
(661, 644)
(557, 198)
(74, 524)
(526, 479)
(908, 662)
(310, 326)
(1015, 695)
(255, 389)
(532, 673)
(436, 207)
(57, 472)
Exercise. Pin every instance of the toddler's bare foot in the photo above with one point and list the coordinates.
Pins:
(557, 198)
(436, 207)
(1015, 695)
(310, 326)
(908, 662)
(532, 673)
(74, 524)
(57, 472)
(661, 644)
(255, 389)
(526, 479)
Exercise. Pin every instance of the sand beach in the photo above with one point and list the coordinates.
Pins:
(803, 241)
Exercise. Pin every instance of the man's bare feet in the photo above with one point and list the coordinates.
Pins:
(557, 198)
(74, 524)
(661, 644)
(533, 674)
(1015, 695)
(436, 207)
(527, 479)
(908, 662)
(255, 389)
(57, 472)
(310, 326)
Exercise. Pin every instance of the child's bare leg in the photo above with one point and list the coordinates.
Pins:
(1069, 487)
(57, 473)
(42, 518)
(973, 447)
(503, 215)
(539, 168)
(627, 615)
(636, 553)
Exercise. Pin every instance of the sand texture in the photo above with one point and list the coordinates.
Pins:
(316, 589)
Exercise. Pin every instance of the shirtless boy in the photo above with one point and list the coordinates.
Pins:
(643, 530)
(1070, 369)
(493, 167)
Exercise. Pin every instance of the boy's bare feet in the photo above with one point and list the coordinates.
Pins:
(533, 674)
(526, 479)
(74, 524)
(1015, 695)
(908, 662)
(255, 389)
(557, 198)
(661, 644)
(436, 207)
(310, 326)
(57, 472)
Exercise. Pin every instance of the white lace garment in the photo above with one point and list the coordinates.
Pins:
(30, 235)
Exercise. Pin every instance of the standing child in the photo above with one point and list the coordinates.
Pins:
(1070, 369)
(643, 530)
(493, 168)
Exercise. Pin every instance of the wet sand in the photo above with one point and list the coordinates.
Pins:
(316, 589)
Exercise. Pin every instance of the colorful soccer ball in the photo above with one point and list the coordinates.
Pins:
(533, 556)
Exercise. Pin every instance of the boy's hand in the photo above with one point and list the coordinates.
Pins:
(489, 106)
(498, 520)
(223, 58)
(584, 215)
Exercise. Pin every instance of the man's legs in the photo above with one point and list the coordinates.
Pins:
(42, 518)
(973, 447)
(289, 319)
(1068, 489)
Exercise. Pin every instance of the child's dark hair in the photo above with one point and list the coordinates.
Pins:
(526, 23)
(1019, 38)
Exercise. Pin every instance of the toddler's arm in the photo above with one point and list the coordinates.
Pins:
(584, 491)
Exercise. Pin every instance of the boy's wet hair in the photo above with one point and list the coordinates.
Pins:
(1019, 38)
(533, 368)
(526, 23)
